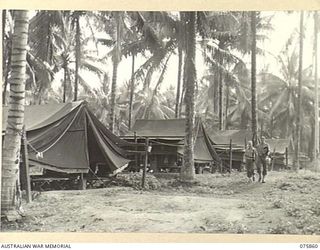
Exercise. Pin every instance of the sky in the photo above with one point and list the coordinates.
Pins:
(283, 23)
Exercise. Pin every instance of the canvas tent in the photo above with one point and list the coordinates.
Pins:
(221, 142)
(238, 138)
(68, 138)
(167, 137)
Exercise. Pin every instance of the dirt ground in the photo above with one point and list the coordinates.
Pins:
(286, 203)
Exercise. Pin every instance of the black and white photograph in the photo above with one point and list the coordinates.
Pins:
(202, 122)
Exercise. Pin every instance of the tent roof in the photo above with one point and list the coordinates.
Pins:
(164, 129)
(38, 116)
(238, 137)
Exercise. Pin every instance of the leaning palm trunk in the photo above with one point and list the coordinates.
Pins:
(296, 163)
(253, 79)
(187, 171)
(12, 139)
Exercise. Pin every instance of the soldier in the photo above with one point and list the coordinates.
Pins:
(249, 159)
(263, 152)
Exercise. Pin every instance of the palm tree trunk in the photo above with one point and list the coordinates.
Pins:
(12, 139)
(216, 93)
(113, 94)
(131, 93)
(77, 64)
(227, 107)
(253, 79)
(296, 163)
(4, 15)
(179, 80)
(65, 77)
(116, 60)
(6, 77)
(187, 171)
(220, 95)
(316, 99)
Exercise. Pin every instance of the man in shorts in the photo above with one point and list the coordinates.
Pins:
(263, 150)
(249, 160)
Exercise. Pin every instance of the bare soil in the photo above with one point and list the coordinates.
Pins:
(286, 203)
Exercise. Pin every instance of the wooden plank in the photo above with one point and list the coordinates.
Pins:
(25, 176)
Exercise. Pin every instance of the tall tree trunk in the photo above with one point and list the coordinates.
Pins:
(187, 171)
(316, 98)
(227, 107)
(296, 163)
(179, 80)
(113, 94)
(15, 121)
(253, 79)
(221, 127)
(65, 78)
(216, 94)
(78, 58)
(116, 60)
(131, 93)
(6, 58)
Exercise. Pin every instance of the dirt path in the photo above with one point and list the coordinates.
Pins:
(223, 205)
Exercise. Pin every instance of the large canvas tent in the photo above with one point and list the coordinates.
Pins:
(238, 138)
(68, 138)
(167, 138)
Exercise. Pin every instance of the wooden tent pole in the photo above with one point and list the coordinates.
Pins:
(25, 175)
(136, 149)
(273, 158)
(145, 163)
(230, 155)
(287, 157)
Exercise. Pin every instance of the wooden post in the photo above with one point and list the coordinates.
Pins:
(287, 157)
(273, 159)
(83, 182)
(230, 155)
(25, 176)
(245, 143)
(145, 163)
(136, 149)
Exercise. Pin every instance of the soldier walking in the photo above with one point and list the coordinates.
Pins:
(263, 150)
(249, 160)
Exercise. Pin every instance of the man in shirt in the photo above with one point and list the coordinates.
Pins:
(249, 160)
(263, 150)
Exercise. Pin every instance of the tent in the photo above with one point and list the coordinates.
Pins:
(68, 138)
(221, 142)
(167, 138)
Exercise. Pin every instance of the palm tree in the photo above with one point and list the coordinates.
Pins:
(187, 171)
(278, 93)
(15, 121)
(253, 78)
(77, 53)
(296, 164)
(316, 99)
